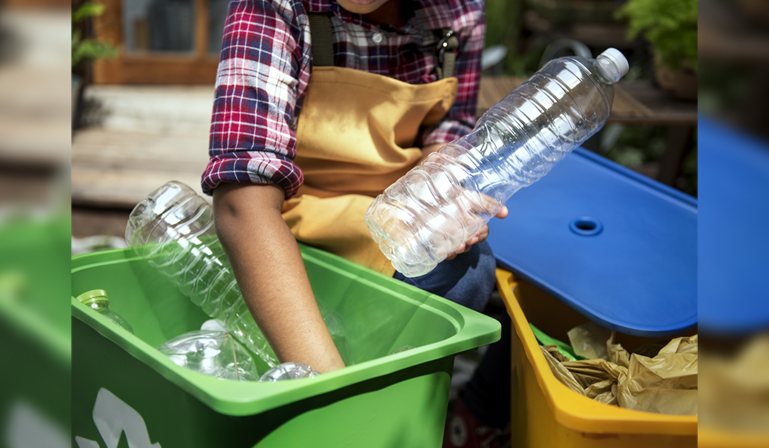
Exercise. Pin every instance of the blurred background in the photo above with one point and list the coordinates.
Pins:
(35, 136)
(733, 243)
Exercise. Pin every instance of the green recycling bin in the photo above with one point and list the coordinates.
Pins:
(124, 390)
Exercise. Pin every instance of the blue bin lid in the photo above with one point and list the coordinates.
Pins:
(616, 246)
(734, 242)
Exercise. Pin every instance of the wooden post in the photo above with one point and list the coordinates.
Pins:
(677, 143)
(201, 29)
(109, 28)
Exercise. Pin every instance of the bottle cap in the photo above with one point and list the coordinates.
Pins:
(94, 296)
(618, 59)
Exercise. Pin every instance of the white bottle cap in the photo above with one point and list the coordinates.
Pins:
(212, 325)
(618, 59)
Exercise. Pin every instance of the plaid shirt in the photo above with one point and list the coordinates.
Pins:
(266, 64)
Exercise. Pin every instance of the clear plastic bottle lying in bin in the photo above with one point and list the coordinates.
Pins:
(98, 301)
(288, 371)
(213, 353)
(437, 206)
(173, 229)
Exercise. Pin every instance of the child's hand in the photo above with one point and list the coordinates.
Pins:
(479, 236)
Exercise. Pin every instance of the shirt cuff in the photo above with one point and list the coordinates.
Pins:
(252, 167)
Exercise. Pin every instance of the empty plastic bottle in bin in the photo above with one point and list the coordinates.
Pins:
(288, 371)
(98, 301)
(434, 208)
(212, 353)
(173, 229)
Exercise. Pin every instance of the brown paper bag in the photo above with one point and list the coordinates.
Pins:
(665, 383)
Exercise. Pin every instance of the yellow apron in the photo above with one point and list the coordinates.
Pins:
(355, 138)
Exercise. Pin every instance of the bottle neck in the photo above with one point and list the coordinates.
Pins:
(608, 70)
(97, 305)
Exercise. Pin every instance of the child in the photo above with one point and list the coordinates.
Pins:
(320, 105)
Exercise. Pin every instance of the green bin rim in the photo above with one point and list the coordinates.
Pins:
(248, 398)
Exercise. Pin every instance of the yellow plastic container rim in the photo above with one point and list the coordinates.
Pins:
(575, 411)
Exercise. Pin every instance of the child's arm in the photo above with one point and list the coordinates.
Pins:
(271, 274)
(263, 74)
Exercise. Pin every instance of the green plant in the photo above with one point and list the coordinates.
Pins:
(86, 50)
(669, 25)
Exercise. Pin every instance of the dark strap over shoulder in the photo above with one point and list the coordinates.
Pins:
(322, 40)
(323, 46)
(446, 53)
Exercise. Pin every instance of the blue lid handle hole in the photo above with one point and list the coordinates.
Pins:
(586, 226)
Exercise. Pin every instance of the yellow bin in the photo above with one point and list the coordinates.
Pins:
(546, 413)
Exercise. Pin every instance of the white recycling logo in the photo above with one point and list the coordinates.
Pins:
(112, 417)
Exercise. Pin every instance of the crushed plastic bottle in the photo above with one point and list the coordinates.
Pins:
(212, 353)
(98, 301)
(173, 229)
(288, 371)
(434, 208)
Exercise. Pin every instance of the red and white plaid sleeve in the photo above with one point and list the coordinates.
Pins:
(264, 68)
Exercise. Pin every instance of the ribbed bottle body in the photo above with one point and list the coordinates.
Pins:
(434, 208)
(173, 229)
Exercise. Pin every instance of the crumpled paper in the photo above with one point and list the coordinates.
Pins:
(665, 383)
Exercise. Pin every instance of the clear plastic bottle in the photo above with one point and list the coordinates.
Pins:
(212, 353)
(438, 205)
(98, 301)
(173, 229)
(288, 371)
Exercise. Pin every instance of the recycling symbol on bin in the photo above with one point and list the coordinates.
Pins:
(113, 417)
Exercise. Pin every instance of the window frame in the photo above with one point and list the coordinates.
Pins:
(198, 67)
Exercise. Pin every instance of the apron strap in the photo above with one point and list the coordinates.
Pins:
(323, 46)
(322, 40)
(446, 53)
